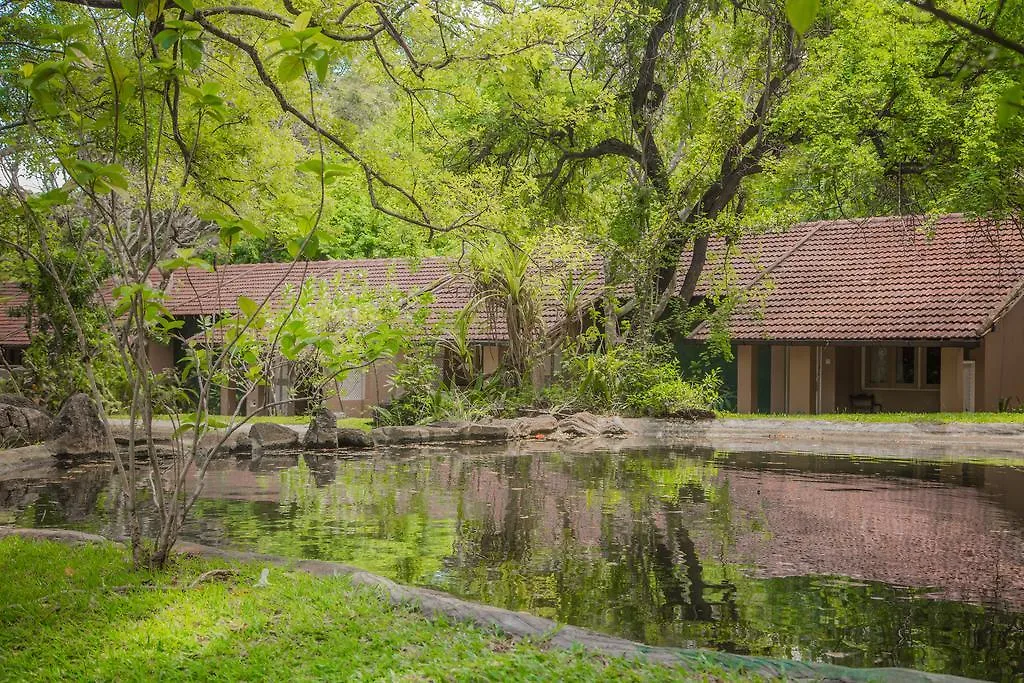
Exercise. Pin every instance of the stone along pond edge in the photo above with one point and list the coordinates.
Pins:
(524, 626)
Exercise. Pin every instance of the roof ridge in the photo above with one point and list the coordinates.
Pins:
(1008, 302)
(775, 264)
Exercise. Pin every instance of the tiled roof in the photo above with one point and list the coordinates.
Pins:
(12, 328)
(884, 279)
(194, 292)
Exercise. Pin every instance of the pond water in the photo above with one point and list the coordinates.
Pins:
(848, 560)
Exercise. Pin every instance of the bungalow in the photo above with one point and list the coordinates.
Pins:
(14, 337)
(194, 293)
(897, 314)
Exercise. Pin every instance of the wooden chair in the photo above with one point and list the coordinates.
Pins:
(864, 403)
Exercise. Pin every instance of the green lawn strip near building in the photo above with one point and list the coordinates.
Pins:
(80, 612)
(896, 418)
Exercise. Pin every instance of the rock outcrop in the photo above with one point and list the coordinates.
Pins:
(270, 436)
(322, 431)
(78, 431)
(354, 438)
(22, 422)
(450, 431)
(587, 424)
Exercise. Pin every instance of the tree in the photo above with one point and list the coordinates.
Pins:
(125, 129)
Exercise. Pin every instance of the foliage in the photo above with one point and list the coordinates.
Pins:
(422, 395)
(644, 380)
(80, 611)
(53, 358)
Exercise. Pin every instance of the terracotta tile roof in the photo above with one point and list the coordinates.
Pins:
(193, 292)
(12, 328)
(884, 279)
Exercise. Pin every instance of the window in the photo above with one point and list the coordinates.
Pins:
(878, 366)
(932, 365)
(902, 367)
(906, 365)
(13, 356)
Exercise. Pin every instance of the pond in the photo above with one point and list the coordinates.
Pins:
(849, 560)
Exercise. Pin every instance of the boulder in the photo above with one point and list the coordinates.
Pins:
(587, 424)
(322, 431)
(22, 423)
(415, 434)
(524, 427)
(694, 414)
(78, 431)
(354, 438)
(486, 432)
(269, 436)
(18, 400)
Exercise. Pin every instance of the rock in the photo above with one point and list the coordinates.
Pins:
(18, 400)
(524, 427)
(269, 436)
(78, 431)
(354, 438)
(587, 424)
(694, 414)
(414, 434)
(322, 431)
(486, 432)
(22, 422)
(582, 424)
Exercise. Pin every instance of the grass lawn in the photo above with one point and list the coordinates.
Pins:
(81, 613)
(940, 418)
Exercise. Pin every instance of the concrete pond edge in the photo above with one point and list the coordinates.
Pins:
(523, 626)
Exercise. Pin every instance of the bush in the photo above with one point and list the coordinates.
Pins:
(641, 380)
(422, 395)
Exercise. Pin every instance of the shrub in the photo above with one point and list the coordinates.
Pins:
(423, 395)
(640, 379)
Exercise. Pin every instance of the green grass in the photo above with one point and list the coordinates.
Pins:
(939, 418)
(81, 613)
(363, 423)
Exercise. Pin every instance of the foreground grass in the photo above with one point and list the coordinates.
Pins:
(935, 418)
(81, 613)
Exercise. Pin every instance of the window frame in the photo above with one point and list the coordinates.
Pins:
(893, 357)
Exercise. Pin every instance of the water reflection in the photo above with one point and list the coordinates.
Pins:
(850, 560)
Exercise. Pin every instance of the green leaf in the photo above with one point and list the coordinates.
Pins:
(247, 306)
(192, 52)
(801, 14)
(132, 7)
(228, 233)
(1011, 102)
(186, 5)
(322, 64)
(302, 21)
(251, 229)
(166, 38)
(314, 166)
(290, 68)
(153, 9)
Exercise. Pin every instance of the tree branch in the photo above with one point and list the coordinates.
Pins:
(987, 33)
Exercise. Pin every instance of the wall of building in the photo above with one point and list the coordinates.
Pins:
(161, 356)
(1000, 362)
(850, 380)
(796, 372)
